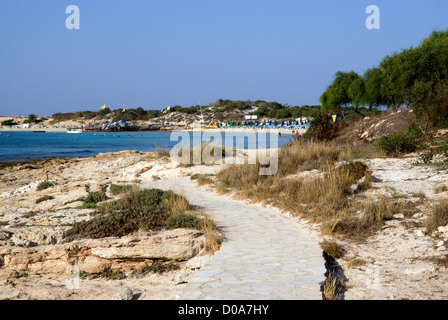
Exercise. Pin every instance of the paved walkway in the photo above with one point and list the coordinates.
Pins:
(264, 255)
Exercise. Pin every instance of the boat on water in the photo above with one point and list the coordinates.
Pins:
(74, 131)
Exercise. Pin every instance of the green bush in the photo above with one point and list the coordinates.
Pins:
(44, 185)
(9, 122)
(397, 143)
(91, 200)
(438, 216)
(95, 197)
(147, 209)
(155, 267)
(121, 188)
(183, 221)
(44, 198)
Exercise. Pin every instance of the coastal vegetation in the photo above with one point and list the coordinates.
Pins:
(316, 180)
(9, 122)
(44, 185)
(116, 189)
(144, 210)
(44, 198)
(415, 77)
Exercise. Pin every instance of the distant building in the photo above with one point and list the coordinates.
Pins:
(26, 125)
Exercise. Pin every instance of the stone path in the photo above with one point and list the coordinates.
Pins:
(264, 255)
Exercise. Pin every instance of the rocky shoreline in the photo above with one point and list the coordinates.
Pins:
(33, 250)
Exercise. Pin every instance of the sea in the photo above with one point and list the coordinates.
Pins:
(19, 146)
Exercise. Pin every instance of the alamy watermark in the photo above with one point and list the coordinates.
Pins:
(73, 278)
(209, 147)
(373, 20)
(73, 21)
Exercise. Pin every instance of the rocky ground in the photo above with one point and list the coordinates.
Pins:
(36, 263)
(401, 261)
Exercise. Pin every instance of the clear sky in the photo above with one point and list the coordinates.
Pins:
(157, 53)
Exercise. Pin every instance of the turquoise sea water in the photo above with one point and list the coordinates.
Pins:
(22, 146)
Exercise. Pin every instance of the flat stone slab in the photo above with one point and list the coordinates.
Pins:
(264, 255)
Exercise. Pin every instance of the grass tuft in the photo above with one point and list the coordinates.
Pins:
(44, 198)
(438, 216)
(44, 185)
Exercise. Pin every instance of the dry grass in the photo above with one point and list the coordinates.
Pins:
(333, 197)
(332, 248)
(364, 218)
(161, 153)
(213, 237)
(202, 178)
(206, 154)
(440, 188)
(333, 287)
(438, 216)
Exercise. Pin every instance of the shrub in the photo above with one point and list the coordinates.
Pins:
(158, 267)
(183, 221)
(119, 189)
(332, 248)
(9, 122)
(440, 188)
(95, 197)
(108, 273)
(92, 199)
(202, 179)
(373, 215)
(146, 209)
(438, 216)
(322, 128)
(44, 198)
(396, 143)
(44, 185)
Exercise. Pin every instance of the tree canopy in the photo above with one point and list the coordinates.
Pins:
(415, 77)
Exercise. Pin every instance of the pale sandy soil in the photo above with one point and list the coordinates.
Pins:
(401, 261)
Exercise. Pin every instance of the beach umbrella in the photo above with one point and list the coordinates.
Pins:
(103, 106)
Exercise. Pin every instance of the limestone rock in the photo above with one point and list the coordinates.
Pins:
(182, 276)
(398, 216)
(94, 255)
(10, 294)
(177, 244)
(197, 262)
(142, 170)
(125, 294)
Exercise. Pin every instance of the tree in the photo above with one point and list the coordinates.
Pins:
(9, 122)
(356, 92)
(373, 96)
(32, 118)
(337, 94)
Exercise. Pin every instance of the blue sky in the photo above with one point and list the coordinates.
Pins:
(154, 53)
